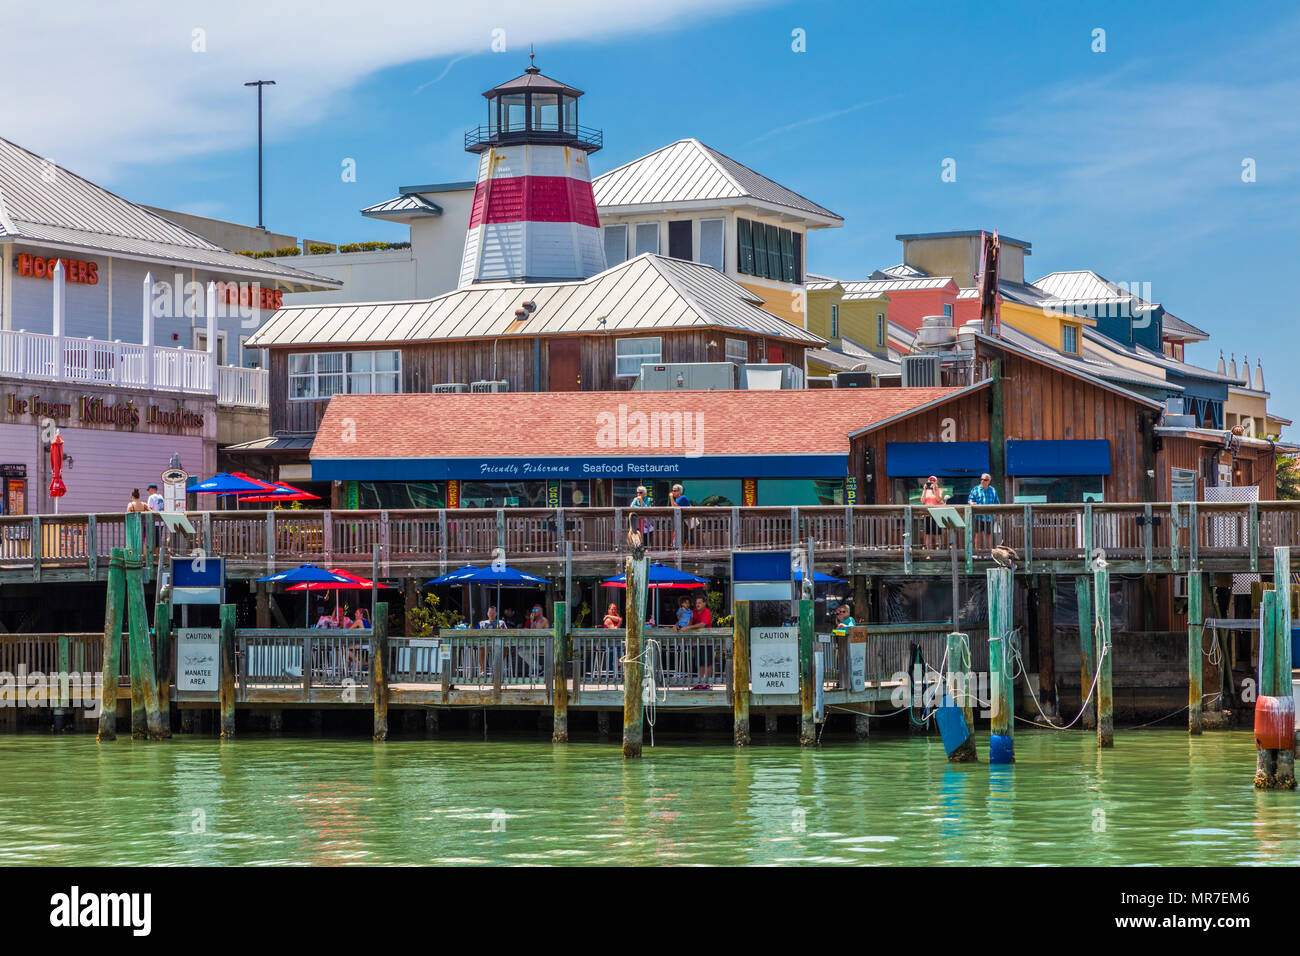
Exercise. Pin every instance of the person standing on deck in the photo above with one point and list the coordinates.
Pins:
(155, 500)
(983, 494)
(681, 501)
(644, 525)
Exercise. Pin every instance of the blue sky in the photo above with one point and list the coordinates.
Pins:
(1127, 161)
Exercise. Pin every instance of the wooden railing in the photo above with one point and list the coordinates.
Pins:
(1137, 537)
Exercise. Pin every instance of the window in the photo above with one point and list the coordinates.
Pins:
(511, 117)
(647, 237)
(947, 311)
(800, 492)
(1058, 490)
(880, 328)
(712, 252)
(201, 344)
(1070, 339)
(631, 354)
(546, 112)
(316, 375)
(768, 252)
(737, 351)
(835, 321)
(615, 245)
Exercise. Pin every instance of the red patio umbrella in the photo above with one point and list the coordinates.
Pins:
(358, 584)
(57, 488)
(283, 491)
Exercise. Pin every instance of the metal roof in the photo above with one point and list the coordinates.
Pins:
(532, 81)
(48, 204)
(1174, 327)
(1097, 367)
(900, 271)
(871, 288)
(687, 171)
(852, 361)
(403, 208)
(964, 234)
(1144, 354)
(642, 294)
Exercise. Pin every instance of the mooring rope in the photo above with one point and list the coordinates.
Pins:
(1015, 650)
(651, 661)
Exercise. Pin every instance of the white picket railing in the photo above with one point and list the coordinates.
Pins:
(34, 355)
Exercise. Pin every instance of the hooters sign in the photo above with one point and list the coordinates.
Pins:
(249, 296)
(77, 271)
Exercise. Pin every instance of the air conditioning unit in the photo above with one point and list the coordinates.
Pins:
(773, 375)
(686, 376)
(451, 387)
(921, 371)
(855, 380)
(490, 386)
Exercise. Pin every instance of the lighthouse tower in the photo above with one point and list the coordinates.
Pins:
(534, 215)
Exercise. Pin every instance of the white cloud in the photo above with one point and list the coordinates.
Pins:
(92, 84)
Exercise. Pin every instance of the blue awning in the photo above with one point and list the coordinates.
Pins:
(1052, 458)
(945, 459)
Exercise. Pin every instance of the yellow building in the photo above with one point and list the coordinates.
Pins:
(854, 323)
(689, 201)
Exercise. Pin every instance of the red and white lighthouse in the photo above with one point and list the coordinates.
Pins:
(534, 215)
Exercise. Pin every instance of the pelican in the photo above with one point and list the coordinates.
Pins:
(1005, 557)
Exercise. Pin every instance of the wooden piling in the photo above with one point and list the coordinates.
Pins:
(163, 664)
(1265, 759)
(560, 673)
(958, 675)
(1284, 774)
(636, 572)
(807, 674)
(227, 685)
(1001, 691)
(1105, 656)
(1046, 607)
(379, 668)
(1195, 630)
(1087, 651)
(740, 672)
(146, 720)
(114, 607)
(65, 670)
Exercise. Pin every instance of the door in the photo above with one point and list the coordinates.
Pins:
(776, 354)
(565, 364)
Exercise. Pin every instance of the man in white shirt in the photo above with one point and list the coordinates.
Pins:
(155, 499)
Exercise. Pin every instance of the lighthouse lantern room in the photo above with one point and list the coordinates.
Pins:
(534, 215)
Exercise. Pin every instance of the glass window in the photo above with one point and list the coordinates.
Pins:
(630, 354)
(880, 328)
(745, 247)
(1070, 338)
(315, 375)
(737, 351)
(615, 244)
(800, 492)
(760, 250)
(512, 116)
(798, 257)
(712, 252)
(835, 321)
(907, 491)
(1058, 490)
(947, 311)
(575, 494)
(647, 237)
(702, 492)
(503, 494)
(546, 112)
(569, 106)
(374, 495)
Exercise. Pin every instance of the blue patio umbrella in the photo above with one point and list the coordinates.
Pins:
(307, 574)
(500, 575)
(225, 483)
(818, 577)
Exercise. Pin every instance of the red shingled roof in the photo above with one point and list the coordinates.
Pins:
(563, 424)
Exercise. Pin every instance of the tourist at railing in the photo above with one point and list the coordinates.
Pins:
(983, 494)
(491, 621)
(537, 618)
(701, 618)
(508, 617)
(688, 524)
(362, 619)
(642, 500)
(612, 617)
(931, 496)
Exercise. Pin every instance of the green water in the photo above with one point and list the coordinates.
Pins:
(1163, 799)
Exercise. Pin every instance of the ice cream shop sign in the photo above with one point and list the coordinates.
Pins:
(89, 410)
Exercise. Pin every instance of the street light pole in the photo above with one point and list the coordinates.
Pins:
(259, 84)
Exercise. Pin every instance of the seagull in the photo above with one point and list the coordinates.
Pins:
(1005, 557)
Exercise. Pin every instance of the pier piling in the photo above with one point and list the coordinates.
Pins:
(379, 669)
(163, 665)
(740, 672)
(637, 571)
(958, 674)
(1105, 694)
(1195, 629)
(1087, 651)
(113, 609)
(146, 720)
(1284, 775)
(807, 672)
(1001, 691)
(227, 685)
(560, 673)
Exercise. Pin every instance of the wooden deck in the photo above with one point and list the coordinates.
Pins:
(1160, 537)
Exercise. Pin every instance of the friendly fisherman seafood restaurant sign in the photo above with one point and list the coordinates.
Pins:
(93, 410)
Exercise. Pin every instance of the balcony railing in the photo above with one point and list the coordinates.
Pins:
(480, 138)
(37, 356)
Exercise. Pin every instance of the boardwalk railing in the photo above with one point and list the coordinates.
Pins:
(870, 538)
(38, 356)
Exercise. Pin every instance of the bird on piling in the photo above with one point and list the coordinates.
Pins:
(635, 541)
(1005, 557)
